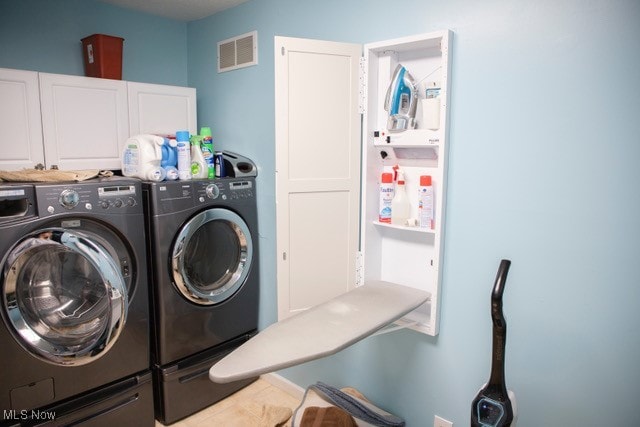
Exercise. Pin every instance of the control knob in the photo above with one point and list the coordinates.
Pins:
(69, 198)
(212, 191)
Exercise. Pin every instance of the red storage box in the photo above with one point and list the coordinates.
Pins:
(102, 56)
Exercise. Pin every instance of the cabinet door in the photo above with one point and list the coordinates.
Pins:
(84, 121)
(160, 109)
(317, 170)
(21, 142)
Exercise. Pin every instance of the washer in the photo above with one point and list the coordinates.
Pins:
(74, 304)
(204, 285)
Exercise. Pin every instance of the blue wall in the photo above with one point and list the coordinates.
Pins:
(44, 35)
(543, 170)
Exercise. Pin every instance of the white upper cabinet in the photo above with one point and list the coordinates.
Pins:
(20, 120)
(161, 109)
(74, 122)
(84, 121)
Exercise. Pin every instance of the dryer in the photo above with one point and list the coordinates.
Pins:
(74, 303)
(203, 258)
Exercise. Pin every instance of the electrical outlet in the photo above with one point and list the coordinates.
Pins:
(441, 422)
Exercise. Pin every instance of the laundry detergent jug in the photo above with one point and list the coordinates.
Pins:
(141, 157)
(169, 153)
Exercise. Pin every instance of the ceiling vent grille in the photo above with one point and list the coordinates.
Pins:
(238, 52)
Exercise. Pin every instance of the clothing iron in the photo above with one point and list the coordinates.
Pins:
(401, 101)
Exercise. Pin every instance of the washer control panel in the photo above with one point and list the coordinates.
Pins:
(96, 197)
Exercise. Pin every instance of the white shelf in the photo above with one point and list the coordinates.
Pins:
(415, 229)
(409, 138)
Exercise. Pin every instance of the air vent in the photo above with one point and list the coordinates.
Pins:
(238, 52)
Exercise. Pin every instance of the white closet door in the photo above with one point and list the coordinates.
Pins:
(317, 170)
(161, 109)
(85, 121)
(21, 142)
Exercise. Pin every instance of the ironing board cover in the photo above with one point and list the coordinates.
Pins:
(319, 331)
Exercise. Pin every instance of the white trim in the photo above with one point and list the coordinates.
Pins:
(284, 384)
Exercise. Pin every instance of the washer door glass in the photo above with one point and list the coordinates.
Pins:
(64, 295)
(211, 256)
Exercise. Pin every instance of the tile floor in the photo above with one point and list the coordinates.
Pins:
(243, 408)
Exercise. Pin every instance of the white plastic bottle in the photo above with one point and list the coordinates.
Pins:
(199, 168)
(172, 173)
(425, 202)
(184, 155)
(387, 191)
(400, 206)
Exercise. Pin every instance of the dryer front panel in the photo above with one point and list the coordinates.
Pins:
(64, 295)
(211, 256)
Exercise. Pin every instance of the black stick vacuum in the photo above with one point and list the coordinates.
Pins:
(494, 406)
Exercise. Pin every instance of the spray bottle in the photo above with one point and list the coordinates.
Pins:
(425, 202)
(386, 197)
(400, 206)
(199, 168)
(184, 154)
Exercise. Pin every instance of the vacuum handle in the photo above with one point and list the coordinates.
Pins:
(498, 291)
(499, 327)
(501, 279)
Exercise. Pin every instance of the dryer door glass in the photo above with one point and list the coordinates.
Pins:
(211, 256)
(64, 296)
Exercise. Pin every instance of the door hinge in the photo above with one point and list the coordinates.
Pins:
(362, 91)
(359, 270)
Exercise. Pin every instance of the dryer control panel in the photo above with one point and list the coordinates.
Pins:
(171, 197)
(223, 190)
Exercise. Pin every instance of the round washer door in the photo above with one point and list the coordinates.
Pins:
(64, 295)
(211, 256)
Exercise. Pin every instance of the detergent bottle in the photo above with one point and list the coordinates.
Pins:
(141, 157)
(169, 153)
(199, 169)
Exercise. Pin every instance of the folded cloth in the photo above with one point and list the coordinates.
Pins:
(365, 413)
(315, 416)
(52, 175)
(359, 409)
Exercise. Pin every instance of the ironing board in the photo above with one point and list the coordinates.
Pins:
(320, 331)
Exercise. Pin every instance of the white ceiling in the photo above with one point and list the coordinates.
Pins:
(181, 10)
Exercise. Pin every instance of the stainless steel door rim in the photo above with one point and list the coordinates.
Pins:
(238, 253)
(64, 295)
